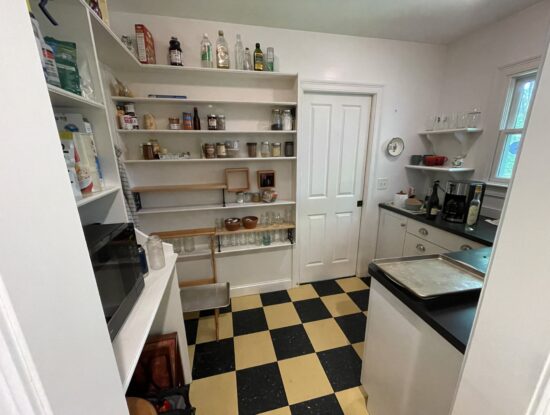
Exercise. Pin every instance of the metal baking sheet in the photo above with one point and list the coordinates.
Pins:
(205, 297)
(431, 276)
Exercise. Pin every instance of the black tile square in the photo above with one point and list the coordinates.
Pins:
(325, 405)
(291, 342)
(342, 366)
(214, 358)
(223, 310)
(353, 326)
(327, 287)
(260, 389)
(361, 299)
(276, 297)
(311, 310)
(249, 321)
(191, 330)
(366, 280)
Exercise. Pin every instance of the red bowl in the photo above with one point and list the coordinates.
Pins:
(434, 160)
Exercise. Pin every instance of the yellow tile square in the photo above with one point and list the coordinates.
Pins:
(215, 394)
(352, 284)
(246, 302)
(325, 334)
(303, 292)
(340, 305)
(191, 315)
(285, 410)
(359, 348)
(206, 331)
(253, 350)
(353, 401)
(281, 315)
(191, 350)
(304, 378)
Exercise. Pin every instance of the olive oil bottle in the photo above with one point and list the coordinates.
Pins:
(258, 58)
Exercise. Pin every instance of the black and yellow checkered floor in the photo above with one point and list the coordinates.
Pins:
(294, 351)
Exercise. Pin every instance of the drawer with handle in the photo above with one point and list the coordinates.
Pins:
(417, 246)
(447, 240)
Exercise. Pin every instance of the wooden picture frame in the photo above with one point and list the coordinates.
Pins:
(237, 180)
(266, 179)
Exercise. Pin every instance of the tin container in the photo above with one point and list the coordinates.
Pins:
(187, 121)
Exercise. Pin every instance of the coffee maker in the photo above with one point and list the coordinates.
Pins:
(458, 195)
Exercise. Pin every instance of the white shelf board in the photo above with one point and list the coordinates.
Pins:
(452, 131)
(178, 209)
(92, 197)
(129, 342)
(202, 101)
(61, 98)
(201, 132)
(441, 169)
(204, 252)
(227, 159)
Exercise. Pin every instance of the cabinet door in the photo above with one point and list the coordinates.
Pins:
(416, 246)
(391, 235)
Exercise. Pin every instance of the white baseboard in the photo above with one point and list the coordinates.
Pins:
(260, 287)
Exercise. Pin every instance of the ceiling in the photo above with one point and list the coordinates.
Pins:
(432, 21)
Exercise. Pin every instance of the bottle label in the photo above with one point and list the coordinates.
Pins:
(206, 54)
(472, 215)
(175, 57)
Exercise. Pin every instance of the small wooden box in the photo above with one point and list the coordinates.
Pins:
(237, 180)
(266, 179)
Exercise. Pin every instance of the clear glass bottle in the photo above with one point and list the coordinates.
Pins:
(287, 120)
(247, 63)
(239, 54)
(155, 252)
(276, 120)
(473, 210)
(222, 52)
(206, 52)
(270, 59)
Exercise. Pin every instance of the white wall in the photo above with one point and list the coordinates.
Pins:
(510, 342)
(44, 263)
(410, 72)
(472, 79)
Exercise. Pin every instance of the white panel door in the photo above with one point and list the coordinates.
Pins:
(333, 150)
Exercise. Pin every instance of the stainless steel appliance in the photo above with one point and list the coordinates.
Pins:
(458, 195)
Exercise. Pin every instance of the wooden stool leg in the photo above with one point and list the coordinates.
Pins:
(216, 319)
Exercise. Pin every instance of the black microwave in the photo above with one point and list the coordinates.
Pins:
(114, 253)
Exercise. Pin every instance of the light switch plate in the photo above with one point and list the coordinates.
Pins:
(382, 183)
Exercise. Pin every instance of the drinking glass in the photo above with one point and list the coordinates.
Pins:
(259, 238)
(188, 244)
(242, 239)
(275, 236)
(155, 252)
(251, 238)
(232, 240)
(266, 239)
(462, 120)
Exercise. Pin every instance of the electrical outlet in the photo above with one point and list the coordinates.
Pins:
(382, 183)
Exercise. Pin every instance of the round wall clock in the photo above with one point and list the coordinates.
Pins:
(395, 146)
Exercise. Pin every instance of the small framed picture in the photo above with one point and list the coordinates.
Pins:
(266, 179)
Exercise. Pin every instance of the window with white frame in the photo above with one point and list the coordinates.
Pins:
(512, 124)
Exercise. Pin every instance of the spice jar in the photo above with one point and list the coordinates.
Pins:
(220, 122)
(155, 252)
(147, 150)
(276, 122)
(220, 150)
(251, 147)
(289, 148)
(276, 150)
(287, 120)
(212, 121)
(209, 151)
(187, 121)
(174, 123)
(264, 151)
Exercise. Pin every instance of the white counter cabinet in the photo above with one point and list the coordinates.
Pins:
(408, 368)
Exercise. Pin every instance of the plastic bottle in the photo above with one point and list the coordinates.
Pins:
(239, 54)
(206, 52)
(247, 63)
(222, 52)
(174, 52)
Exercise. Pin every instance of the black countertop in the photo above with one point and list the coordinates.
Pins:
(484, 233)
(451, 316)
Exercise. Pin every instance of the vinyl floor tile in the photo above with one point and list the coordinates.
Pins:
(215, 395)
(325, 405)
(206, 331)
(249, 321)
(342, 367)
(191, 330)
(291, 342)
(340, 305)
(213, 358)
(361, 299)
(304, 378)
(311, 310)
(327, 287)
(276, 297)
(246, 302)
(325, 334)
(281, 315)
(303, 292)
(353, 326)
(352, 284)
(360, 349)
(353, 401)
(254, 350)
(260, 389)
(279, 411)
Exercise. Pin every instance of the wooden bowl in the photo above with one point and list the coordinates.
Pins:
(232, 224)
(250, 222)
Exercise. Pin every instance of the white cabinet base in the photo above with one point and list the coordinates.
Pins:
(408, 368)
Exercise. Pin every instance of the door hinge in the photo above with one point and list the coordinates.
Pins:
(359, 203)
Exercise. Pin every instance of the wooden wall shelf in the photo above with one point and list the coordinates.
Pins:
(179, 187)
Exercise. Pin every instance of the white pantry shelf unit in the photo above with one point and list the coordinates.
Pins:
(92, 197)
(206, 132)
(216, 160)
(181, 101)
(203, 252)
(203, 208)
(61, 98)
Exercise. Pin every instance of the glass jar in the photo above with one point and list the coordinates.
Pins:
(240, 197)
(155, 252)
(264, 151)
(189, 244)
(287, 120)
(174, 123)
(289, 148)
(212, 121)
(473, 118)
(251, 149)
(220, 150)
(220, 122)
(209, 151)
(276, 121)
(276, 150)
